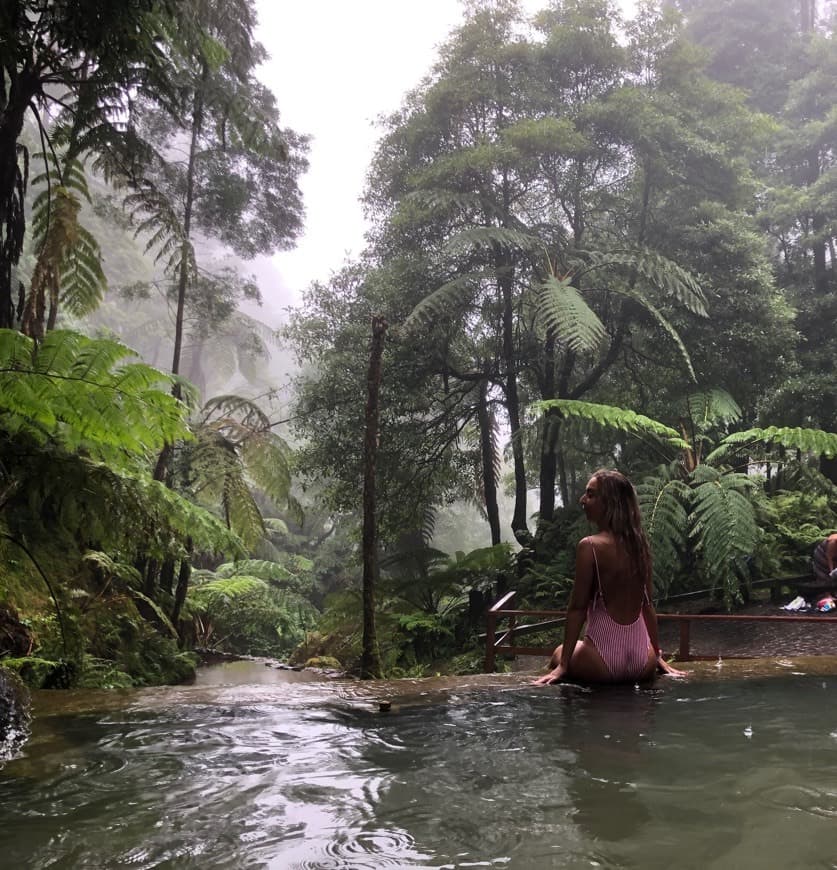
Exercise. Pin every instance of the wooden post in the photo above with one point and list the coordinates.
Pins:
(684, 655)
(490, 635)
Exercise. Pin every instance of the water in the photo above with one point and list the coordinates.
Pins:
(723, 770)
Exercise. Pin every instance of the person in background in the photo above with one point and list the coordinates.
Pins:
(824, 561)
(612, 594)
(831, 555)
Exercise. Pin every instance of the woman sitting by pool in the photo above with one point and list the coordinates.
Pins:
(612, 593)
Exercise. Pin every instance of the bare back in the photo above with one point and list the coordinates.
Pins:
(621, 588)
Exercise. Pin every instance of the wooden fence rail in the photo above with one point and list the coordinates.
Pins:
(504, 643)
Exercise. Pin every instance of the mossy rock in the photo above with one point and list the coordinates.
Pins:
(330, 646)
(37, 673)
(326, 663)
(183, 668)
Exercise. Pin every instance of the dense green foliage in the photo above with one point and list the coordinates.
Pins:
(573, 218)
(595, 241)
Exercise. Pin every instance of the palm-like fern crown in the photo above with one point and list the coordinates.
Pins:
(236, 454)
(68, 267)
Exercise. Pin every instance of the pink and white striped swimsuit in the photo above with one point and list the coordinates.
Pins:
(623, 648)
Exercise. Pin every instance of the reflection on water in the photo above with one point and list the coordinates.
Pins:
(468, 772)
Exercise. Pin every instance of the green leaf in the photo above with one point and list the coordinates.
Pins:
(564, 310)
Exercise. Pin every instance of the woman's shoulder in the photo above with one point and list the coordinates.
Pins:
(600, 539)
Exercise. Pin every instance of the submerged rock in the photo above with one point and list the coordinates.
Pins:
(15, 717)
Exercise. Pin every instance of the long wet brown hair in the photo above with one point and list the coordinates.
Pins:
(622, 517)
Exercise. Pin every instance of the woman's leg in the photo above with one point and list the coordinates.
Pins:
(587, 664)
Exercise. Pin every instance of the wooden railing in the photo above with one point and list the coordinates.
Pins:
(504, 643)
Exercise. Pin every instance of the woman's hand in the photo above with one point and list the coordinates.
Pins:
(553, 676)
(666, 668)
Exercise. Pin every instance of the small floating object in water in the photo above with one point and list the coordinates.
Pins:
(748, 731)
(720, 663)
(384, 706)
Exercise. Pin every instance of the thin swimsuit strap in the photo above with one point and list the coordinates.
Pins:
(598, 576)
(646, 599)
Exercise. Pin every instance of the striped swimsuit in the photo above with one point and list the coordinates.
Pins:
(623, 648)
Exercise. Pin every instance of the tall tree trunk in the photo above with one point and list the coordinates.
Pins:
(549, 435)
(183, 577)
(17, 89)
(370, 665)
(161, 470)
(505, 281)
(488, 453)
(183, 273)
(549, 466)
(167, 575)
(807, 15)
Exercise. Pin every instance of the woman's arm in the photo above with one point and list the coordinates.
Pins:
(649, 614)
(576, 611)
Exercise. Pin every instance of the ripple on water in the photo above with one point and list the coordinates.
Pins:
(474, 776)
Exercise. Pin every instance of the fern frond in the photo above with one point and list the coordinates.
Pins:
(814, 442)
(110, 567)
(276, 525)
(490, 238)
(452, 294)
(215, 593)
(228, 407)
(157, 610)
(240, 509)
(663, 500)
(260, 568)
(711, 407)
(611, 417)
(665, 324)
(76, 391)
(267, 459)
(564, 310)
(438, 200)
(663, 274)
(724, 527)
(69, 260)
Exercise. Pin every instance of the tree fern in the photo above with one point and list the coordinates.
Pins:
(663, 499)
(565, 312)
(83, 393)
(291, 575)
(815, 442)
(236, 451)
(450, 296)
(68, 265)
(723, 525)
(612, 417)
(490, 238)
(660, 272)
(665, 324)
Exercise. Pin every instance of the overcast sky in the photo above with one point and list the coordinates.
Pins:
(336, 66)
